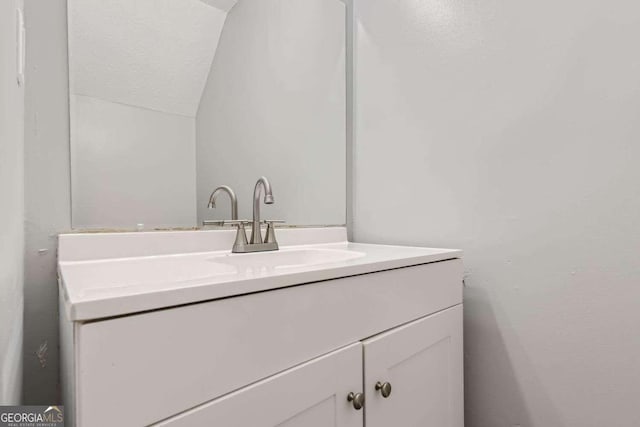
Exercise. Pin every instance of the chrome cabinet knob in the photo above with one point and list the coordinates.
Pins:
(384, 389)
(357, 399)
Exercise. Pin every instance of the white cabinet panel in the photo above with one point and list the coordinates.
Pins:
(423, 363)
(310, 395)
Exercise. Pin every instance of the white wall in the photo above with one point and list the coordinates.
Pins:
(47, 191)
(511, 129)
(131, 165)
(274, 105)
(11, 210)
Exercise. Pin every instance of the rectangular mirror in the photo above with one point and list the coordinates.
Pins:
(172, 98)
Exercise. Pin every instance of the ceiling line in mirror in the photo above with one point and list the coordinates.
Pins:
(225, 5)
(159, 57)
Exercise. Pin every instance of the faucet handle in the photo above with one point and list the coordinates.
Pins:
(273, 221)
(241, 241)
(241, 236)
(271, 233)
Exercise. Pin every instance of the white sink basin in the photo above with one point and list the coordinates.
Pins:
(113, 274)
(286, 258)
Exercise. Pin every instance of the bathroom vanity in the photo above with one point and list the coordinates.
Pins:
(226, 327)
(171, 329)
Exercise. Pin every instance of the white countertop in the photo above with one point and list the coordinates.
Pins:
(96, 282)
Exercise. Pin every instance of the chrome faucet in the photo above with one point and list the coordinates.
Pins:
(257, 243)
(263, 183)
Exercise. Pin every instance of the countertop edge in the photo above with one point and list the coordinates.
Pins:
(96, 310)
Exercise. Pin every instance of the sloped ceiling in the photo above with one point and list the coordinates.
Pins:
(154, 54)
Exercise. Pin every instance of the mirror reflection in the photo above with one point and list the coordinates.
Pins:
(173, 98)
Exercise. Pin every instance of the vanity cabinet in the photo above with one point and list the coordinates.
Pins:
(282, 357)
(310, 395)
(421, 364)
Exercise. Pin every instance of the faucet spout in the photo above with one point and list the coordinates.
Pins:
(262, 184)
(232, 196)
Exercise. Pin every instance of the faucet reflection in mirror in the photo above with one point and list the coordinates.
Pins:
(212, 204)
(232, 196)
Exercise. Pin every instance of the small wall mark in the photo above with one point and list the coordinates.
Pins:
(41, 353)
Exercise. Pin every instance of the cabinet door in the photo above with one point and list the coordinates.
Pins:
(313, 394)
(423, 363)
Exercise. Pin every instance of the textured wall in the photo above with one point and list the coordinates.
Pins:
(274, 105)
(11, 210)
(510, 130)
(47, 193)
